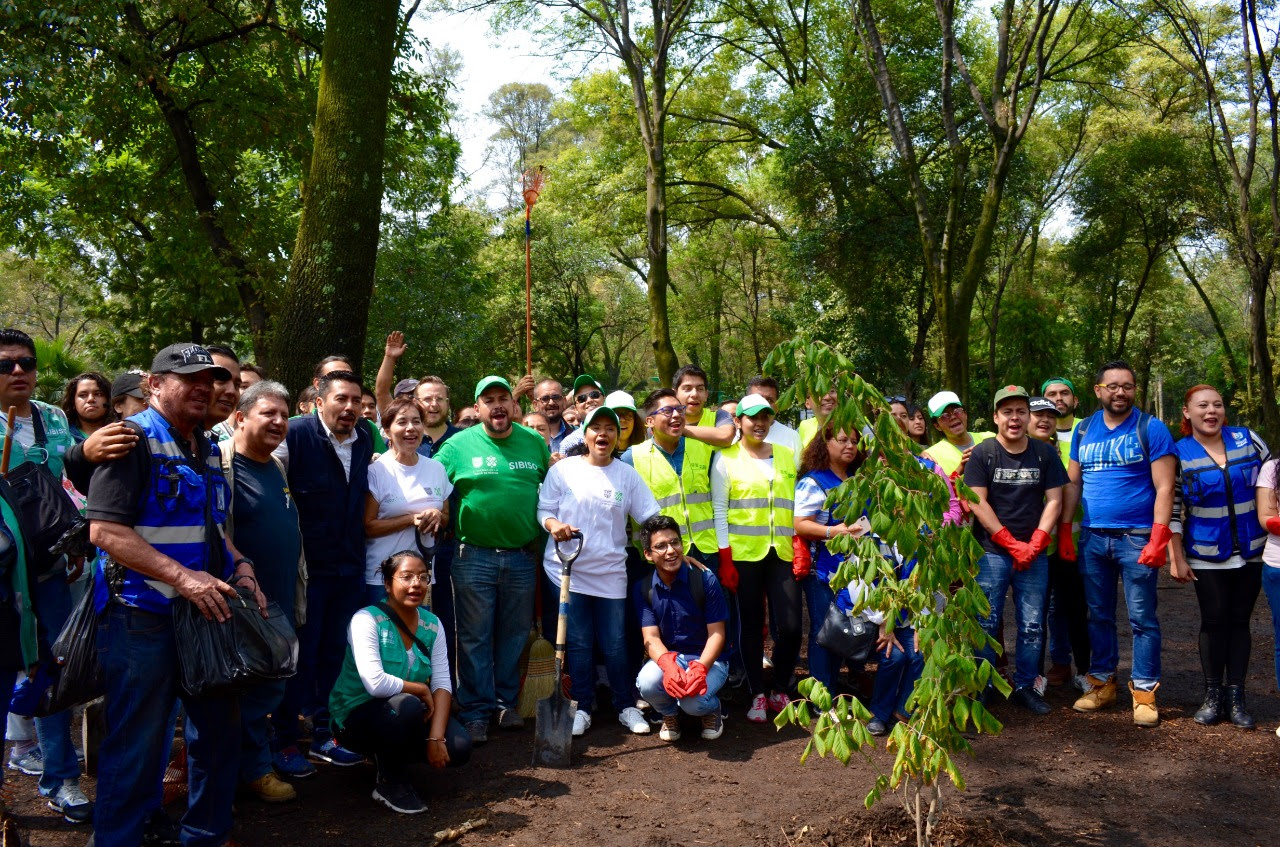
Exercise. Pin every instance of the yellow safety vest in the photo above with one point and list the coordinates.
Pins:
(685, 498)
(948, 455)
(808, 429)
(760, 505)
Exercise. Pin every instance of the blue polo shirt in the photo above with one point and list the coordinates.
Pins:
(680, 622)
(675, 458)
(1117, 489)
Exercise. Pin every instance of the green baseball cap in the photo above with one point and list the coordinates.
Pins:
(1062, 379)
(586, 379)
(1009, 392)
(600, 412)
(489, 381)
(752, 405)
(941, 401)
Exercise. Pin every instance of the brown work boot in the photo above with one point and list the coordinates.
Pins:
(1145, 712)
(9, 836)
(1058, 675)
(1099, 696)
(272, 789)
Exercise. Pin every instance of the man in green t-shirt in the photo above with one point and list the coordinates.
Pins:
(495, 469)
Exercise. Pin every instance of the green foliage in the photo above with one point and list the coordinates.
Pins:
(906, 503)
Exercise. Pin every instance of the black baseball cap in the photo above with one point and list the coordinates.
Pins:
(128, 383)
(187, 358)
(1040, 404)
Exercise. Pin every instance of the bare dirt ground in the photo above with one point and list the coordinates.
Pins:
(1063, 779)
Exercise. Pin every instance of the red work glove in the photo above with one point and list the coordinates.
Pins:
(728, 573)
(1156, 552)
(1019, 550)
(673, 680)
(1273, 525)
(695, 679)
(1040, 541)
(802, 563)
(1066, 544)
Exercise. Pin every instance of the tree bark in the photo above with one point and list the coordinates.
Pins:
(325, 308)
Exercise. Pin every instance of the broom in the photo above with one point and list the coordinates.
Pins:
(540, 675)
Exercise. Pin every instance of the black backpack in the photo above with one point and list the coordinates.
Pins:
(44, 510)
(696, 587)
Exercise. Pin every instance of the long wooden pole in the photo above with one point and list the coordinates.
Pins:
(8, 442)
(528, 291)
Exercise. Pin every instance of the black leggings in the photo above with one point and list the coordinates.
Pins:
(1067, 587)
(1226, 605)
(394, 731)
(773, 576)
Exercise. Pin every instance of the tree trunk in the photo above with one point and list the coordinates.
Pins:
(1152, 255)
(1262, 361)
(659, 278)
(325, 309)
(717, 314)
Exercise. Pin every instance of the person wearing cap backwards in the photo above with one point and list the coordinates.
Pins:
(1123, 464)
(149, 512)
(753, 489)
(1067, 616)
(495, 469)
(1019, 484)
(709, 425)
(1061, 392)
(951, 419)
(587, 394)
(596, 494)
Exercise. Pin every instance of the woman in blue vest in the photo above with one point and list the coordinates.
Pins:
(1217, 544)
(392, 698)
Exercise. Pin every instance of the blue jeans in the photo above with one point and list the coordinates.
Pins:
(140, 661)
(53, 599)
(896, 676)
(256, 706)
(1271, 586)
(1103, 558)
(322, 645)
(1030, 596)
(823, 665)
(374, 594)
(493, 600)
(592, 621)
(649, 681)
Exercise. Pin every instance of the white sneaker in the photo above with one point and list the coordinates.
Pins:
(768, 663)
(633, 719)
(758, 713)
(1080, 682)
(670, 728)
(581, 722)
(1041, 684)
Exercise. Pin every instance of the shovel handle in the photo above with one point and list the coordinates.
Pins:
(8, 441)
(562, 619)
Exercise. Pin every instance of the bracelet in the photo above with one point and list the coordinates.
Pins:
(441, 740)
(828, 533)
(240, 576)
(242, 561)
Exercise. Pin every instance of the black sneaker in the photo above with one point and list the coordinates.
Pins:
(479, 732)
(510, 719)
(162, 831)
(399, 797)
(1029, 699)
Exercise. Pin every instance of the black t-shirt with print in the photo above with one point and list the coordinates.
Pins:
(1016, 484)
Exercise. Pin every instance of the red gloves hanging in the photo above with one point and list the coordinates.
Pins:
(673, 679)
(695, 679)
(1020, 551)
(728, 573)
(1066, 544)
(1156, 552)
(802, 563)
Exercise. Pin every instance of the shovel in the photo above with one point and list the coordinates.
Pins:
(553, 738)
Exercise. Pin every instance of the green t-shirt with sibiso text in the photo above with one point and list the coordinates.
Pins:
(495, 484)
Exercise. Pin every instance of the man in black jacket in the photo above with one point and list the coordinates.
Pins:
(328, 459)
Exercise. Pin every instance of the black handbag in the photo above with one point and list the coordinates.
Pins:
(235, 655)
(78, 676)
(848, 636)
(43, 507)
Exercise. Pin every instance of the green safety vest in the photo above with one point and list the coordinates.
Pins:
(349, 691)
(685, 498)
(760, 506)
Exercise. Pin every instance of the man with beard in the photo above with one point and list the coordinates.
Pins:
(150, 512)
(433, 394)
(496, 469)
(549, 401)
(328, 471)
(952, 421)
(87, 404)
(1062, 393)
(264, 524)
(1123, 463)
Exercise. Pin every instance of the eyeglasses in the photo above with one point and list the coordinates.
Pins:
(951, 411)
(1113, 387)
(27, 363)
(588, 395)
(549, 398)
(664, 546)
(667, 411)
(413, 578)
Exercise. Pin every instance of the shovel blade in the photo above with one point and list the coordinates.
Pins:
(553, 736)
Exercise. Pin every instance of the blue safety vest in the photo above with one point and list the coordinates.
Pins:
(1219, 510)
(181, 498)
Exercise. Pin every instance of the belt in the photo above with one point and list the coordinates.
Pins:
(531, 547)
(1117, 533)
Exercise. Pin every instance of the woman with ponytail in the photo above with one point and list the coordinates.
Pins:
(1218, 544)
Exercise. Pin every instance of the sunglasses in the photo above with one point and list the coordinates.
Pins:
(588, 395)
(668, 411)
(897, 398)
(27, 363)
(549, 398)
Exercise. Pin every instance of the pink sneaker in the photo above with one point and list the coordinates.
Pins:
(778, 701)
(757, 714)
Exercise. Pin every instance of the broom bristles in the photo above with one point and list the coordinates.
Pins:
(540, 681)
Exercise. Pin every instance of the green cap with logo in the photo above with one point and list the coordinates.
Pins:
(1009, 392)
(752, 405)
(490, 381)
(600, 412)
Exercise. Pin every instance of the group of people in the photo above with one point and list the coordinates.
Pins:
(412, 555)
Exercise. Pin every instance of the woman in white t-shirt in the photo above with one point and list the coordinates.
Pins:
(596, 494)
(408, 494)
(1269, 517)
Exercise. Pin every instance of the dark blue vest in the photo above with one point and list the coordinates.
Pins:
(330, 510)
